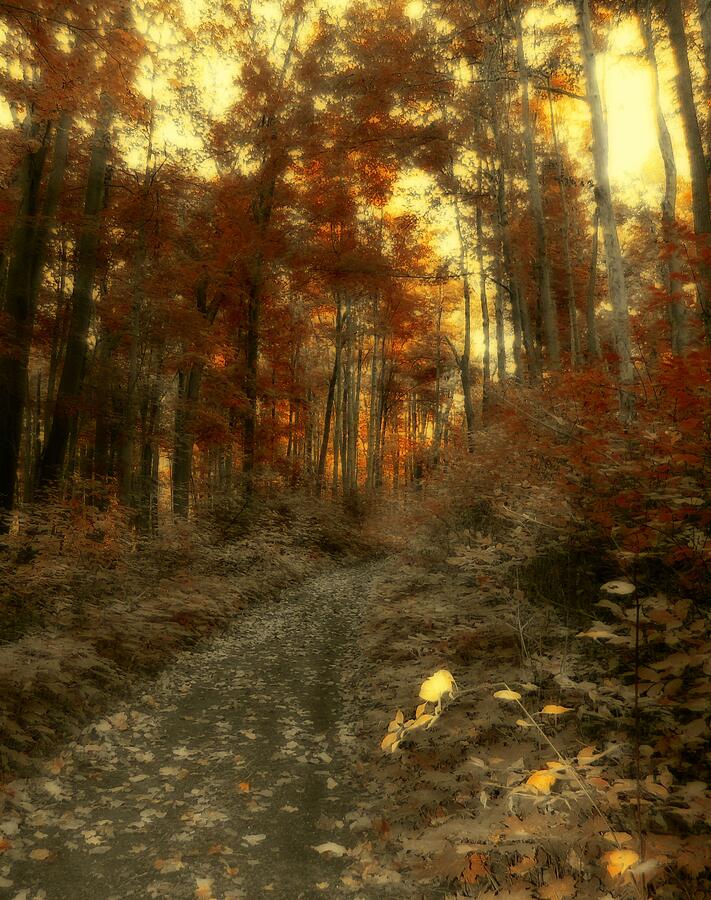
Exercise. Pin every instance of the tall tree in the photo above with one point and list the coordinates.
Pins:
(603, 193)
(700, 204)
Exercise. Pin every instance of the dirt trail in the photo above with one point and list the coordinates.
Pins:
(217, 782)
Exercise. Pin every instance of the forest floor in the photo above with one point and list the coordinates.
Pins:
(252, 765)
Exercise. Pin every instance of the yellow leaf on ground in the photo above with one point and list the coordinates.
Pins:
(617, 837)
(524, 723)
(618, 861)
(437, 685)
(559, 889)
(507, 695)
(420, 709)
(390, 742)
(542, 780)
(244, 786)
(40, 854)
(203, 891)
(420, 722)
(586, 756)
(552, 710)
(524, 866)
(166, 866)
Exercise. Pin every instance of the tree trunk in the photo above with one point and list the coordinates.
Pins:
(18, 321)
(594, 351)
(613, 254)
(567, 253)
(485, 325)
(704, 7)
(66, 404)
(465, 366)
(671, 262)
(699, 175)
(543, 267)
(329, 400)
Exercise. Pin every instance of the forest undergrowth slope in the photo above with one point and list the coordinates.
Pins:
(569, 758)
(88, 608)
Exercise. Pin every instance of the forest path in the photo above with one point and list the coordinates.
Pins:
(219, 781)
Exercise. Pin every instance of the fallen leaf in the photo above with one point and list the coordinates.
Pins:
(542, 781)
(617, 837)
(507, 695)
(166, 866)
(437, 685)
(618, 861)
(203, 891)
(254, 839)
(331, 847)
(560, 889)
(553, 710)
(40, 854)
(475, 868)
(244, 786)
(523, 866)
(390, 742)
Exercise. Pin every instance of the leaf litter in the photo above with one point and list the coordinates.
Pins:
(229, 777)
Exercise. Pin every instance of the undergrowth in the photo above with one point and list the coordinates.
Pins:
(88, 604)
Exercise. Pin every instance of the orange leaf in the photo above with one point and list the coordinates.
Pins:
(618, 861)
(542, 781)
(475, 868)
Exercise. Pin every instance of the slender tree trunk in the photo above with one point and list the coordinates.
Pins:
(485, 325)
(519, 304)
(672, 263)
(567, 252)
(700, 204)
(543, 267)
(613, 255)
(594, 351)
(18, 322)
(338, 400)
(704, 7)
(465, 367)
(329, 400)
(66, 404)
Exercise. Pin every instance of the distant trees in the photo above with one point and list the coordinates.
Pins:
(265, 303)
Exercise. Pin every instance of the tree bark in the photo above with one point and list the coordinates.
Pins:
(671, 264)
(19, 310)
(567, 252)
(464, 362)
(65, 407)
(594, 351)
(613, 255)
(543, 267)
(700, 205)
(485, 324)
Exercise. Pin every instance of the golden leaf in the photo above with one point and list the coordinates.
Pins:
(421, 722)
(617, 837)
(203, 891)
(552, 710)
(437, 685)
(420, 709)
(542, 780)
(524, 723)
(390, 742)
(618, 861)
(507, 695)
